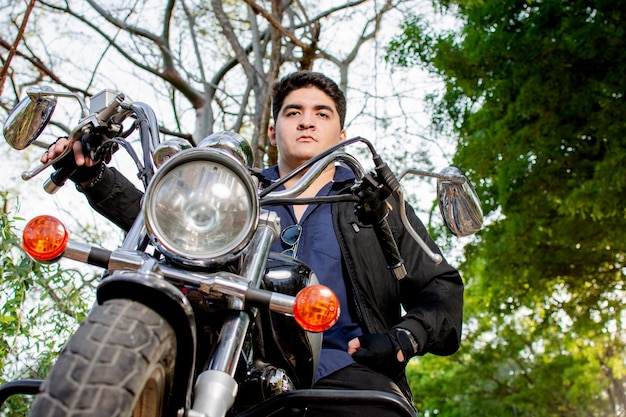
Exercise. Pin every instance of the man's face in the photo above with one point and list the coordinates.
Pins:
(307, 124)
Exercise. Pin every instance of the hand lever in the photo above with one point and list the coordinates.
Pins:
(374, 210)
(391, 185)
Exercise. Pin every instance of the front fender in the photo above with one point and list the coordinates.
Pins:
(170, 303)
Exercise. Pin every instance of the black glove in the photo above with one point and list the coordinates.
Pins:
(77, 174)
(380, 351)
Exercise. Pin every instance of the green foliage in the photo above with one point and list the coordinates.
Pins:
(40, 306)
(535, 91)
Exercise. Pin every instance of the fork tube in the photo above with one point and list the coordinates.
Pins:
(254, 263)
(230, 342)
(136, 235)
(235, 326)
(216, 388)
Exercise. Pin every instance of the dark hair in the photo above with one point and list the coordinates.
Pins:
(304, 79)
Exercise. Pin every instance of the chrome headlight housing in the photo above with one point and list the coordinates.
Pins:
(201, 207)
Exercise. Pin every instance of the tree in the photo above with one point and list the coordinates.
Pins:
(212, 62)
(40, 306)
(535, 92)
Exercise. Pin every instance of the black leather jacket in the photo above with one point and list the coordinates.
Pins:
(431, 295)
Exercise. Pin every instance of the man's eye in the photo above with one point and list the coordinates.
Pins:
(323, 115)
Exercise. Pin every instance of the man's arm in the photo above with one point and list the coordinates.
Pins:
(107, 190)
(432, 295)
(114, 197)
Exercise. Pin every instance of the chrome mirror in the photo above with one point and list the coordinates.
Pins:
(458, 202)
(29, 118)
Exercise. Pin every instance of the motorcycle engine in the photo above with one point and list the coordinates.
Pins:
(262, 381)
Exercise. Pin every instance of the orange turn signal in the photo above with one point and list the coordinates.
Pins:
(316, 308)
(45, 238)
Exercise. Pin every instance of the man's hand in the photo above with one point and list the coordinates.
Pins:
(386, 353)
(86, 170)
(59, 146)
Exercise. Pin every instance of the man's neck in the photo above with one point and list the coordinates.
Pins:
(324, 178)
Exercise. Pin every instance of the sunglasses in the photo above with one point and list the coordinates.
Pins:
(290, 236)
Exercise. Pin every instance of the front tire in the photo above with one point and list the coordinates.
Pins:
(120, 362)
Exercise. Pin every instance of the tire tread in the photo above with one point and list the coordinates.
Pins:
(104, 365)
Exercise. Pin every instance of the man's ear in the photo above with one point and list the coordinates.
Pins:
(343, 135)
(271, 134)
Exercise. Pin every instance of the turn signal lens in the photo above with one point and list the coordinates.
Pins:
(45, 238)
(316, 308)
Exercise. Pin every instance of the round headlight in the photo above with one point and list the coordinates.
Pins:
(201, 206)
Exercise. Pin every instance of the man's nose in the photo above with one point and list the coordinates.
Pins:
(306, 122)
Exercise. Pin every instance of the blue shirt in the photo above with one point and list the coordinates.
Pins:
(319, 249)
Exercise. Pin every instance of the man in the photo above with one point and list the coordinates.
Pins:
(369, 346)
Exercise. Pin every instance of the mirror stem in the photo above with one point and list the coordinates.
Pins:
(35, 94)
(458, 180)
(436, 258)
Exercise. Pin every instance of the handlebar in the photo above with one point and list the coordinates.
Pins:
(217, 284)
(381, 185)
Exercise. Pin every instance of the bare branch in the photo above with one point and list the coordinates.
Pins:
(245, 54)
(229, 33)
(42, 68)
(275, 23)
(13, 48)
(168, 74)
(158, 40)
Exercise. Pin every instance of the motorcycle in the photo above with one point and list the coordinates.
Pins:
(195, 315)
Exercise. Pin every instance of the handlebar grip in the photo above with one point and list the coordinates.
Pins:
(395, 263)
(66, 167)
(60, 176)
